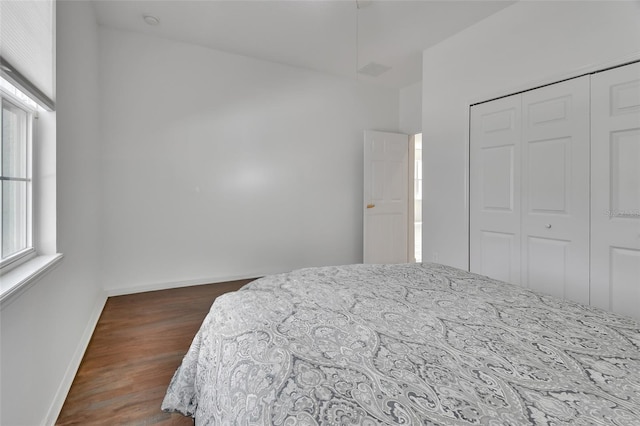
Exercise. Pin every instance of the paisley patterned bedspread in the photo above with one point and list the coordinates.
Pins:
(406, 345)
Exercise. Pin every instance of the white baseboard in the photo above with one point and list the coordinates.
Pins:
(121, 291)
(74, 364)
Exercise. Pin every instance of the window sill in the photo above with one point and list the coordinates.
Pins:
(19, 279)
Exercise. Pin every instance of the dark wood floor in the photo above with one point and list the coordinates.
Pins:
(137, 345)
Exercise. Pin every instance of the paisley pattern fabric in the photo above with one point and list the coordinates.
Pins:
(406, 344)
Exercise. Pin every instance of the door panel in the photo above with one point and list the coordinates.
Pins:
(497, 165)
(494, 183)
(386, 197)
(615, 195)
(625, 172)
(546, 261)
(381, 231)
(497, 255)
(548, 189)
(555, 189)
(624, 281)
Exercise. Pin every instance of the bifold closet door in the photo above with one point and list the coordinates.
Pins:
(529, 189)
(615, 185)
(494, 188)
(555, 190)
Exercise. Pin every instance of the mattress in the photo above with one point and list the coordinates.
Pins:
(406, 344)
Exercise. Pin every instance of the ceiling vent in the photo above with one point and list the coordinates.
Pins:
(374, 70)
(361, 4)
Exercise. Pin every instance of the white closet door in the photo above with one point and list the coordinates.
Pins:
(555, 190)
(495, 189)
(615, 183)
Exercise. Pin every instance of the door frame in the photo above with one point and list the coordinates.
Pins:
(411, 243)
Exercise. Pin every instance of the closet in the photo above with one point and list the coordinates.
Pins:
(555, 189)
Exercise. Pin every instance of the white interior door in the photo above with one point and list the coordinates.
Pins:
(494, 239)
(386, 197)
(615, 197)
(555, 190)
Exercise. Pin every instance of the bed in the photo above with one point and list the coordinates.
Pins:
(410, 344)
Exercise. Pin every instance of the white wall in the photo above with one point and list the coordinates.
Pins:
(410, 109)
(219, 166)
(521, 46)
(45, 330)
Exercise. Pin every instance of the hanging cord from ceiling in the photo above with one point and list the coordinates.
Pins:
(357, 64)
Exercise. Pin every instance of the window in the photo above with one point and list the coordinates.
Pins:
(15, 175)
(28, 245)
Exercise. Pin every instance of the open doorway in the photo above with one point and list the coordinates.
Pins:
(417, 196)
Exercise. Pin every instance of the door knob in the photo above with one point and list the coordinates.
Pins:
(370, 206)
(548, 226)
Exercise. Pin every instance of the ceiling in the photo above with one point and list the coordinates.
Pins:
(336, 37)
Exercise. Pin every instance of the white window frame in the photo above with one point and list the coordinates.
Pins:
(25, 269)
(29, 251)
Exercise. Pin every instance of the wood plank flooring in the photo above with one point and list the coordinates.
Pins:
(137, 345)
